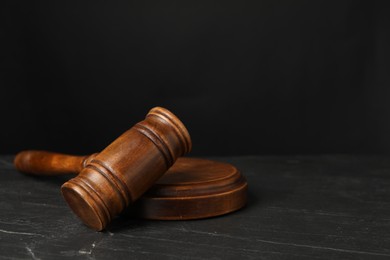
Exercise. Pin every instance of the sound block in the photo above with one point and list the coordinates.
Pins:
(193, 189)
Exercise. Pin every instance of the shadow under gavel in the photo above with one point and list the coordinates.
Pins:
(121, 173)
(191, 189)
(144, 159)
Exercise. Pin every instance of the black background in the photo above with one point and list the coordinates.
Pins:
(246, 77)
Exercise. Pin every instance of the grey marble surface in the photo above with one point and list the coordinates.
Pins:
(300, 207)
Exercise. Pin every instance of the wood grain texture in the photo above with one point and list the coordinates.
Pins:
(302, 207)
(117, 176)
(49, 163)
(192, 188)
(129, 166)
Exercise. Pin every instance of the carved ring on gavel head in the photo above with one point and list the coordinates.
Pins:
(117, 176)
(122, 172)
(192, 188)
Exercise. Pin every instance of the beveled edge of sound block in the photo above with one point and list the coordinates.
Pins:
(220, 191)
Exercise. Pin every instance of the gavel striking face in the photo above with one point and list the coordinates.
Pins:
(117, 176)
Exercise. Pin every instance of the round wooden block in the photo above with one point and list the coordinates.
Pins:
(192, 189)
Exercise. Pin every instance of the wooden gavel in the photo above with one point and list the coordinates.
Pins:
(44, 163)
(117, 176)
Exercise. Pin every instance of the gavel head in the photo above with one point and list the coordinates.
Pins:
(125, 169)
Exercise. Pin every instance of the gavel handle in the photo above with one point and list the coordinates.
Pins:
(49, 163)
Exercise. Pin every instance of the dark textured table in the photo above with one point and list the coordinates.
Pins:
(303, 207)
